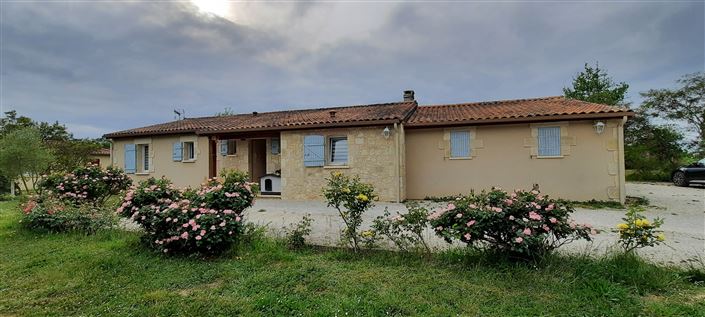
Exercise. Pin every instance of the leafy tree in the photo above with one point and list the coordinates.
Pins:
(23, 155)
(652, 150)
(226, 112)
(686, 103)
(48, 131)
(594, 85)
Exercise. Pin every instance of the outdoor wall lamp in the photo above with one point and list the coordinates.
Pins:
(386, 132)
(599, 127)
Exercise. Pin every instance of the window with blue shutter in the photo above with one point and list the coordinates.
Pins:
(276, 144)
(130, 158)
(549, 141)
(459, 144)
(313, 150)
(224, 147)
(338, 151)
(177, 151)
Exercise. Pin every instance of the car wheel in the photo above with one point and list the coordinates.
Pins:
(679, 179)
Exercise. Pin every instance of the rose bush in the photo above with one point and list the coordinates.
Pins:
(406, 231)
(86, 184)
(525, 224)
(351, 198)
(207, 220)
(50, 214)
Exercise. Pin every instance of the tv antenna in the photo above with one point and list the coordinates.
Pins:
(180, 114)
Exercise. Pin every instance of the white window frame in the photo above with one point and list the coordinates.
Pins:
(142, 158)
(185, 151)
(538, 142)
(329, 151)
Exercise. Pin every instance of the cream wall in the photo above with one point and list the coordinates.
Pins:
(180, 173)
(240, 161)
(104, 160)
(591, 166)
(375, 159)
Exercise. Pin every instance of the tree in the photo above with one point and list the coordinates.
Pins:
(686, 103)
(652, 150)
(593, 85)
(23, 155)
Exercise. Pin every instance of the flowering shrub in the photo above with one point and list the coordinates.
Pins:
(48, 213)
(637, 232)
(351, 198)
(522, 223)
(86, 184)
(405, 231)
(204, 221)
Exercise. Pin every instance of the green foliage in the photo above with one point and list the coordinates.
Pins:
(523, 224)
(23, 155)
(195, 222)
(597, 204)
(685, 104)
(652, 151)
(637, 232)
(86, 184)
(594, 85)
(351, 198)
(47, 213)
(405, 231)
(296, 234)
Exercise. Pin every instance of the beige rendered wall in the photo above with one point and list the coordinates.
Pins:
(591, 166)
(182, 174)
(104, 160)
(371, 156)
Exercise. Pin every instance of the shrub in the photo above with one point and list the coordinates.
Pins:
(405, 231)
(86, 184)
(203, 221)
(296, 235)
(50, 214)
(637, 232)
(351, 198)
(525, 224)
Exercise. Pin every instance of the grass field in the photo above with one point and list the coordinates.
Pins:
(111, 274)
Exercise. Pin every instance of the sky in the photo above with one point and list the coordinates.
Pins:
(99, 67)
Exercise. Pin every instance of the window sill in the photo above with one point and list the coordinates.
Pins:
(550, 157)
(142, 173)
(460, 158)
(189, 161)
(336, 166)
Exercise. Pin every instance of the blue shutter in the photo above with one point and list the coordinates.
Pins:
(550, 141)
(459, 144)
(313, 150)
(130, 158)
(223, 147)
(177, 151)
(275, 145)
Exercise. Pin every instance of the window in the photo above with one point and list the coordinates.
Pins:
(549, 141)
(276, 145)
(189, 151)
(338, 151)
(232, 147)
(459, 144)
(143, 158)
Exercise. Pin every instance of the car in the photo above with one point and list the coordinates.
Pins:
(690, 174)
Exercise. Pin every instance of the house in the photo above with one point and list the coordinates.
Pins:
(571, 149)
(100, 157)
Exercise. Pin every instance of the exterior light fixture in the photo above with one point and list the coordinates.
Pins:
(599, 127)
(386, 132)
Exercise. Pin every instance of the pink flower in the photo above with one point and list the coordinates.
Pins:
(553, 220)
(511, 218)
(471, 222)
(473, 206)
(593, 231)
(184, 235)
(222, 224)
(519, 240)
(508, 202)
(119, 210)
(439, 228)
(459, 215)
(550, 207)
(185, 225)
(467, 236)
(534, 216)
(546, 228)
(451, 207)
(237, 218)
(203, 232)
(212, 227)
(527, 231)
(496, 209)
(199, 237)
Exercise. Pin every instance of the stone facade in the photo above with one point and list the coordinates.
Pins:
(376, 159)
(240, 160)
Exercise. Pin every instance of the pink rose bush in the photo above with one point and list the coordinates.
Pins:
(522, 223)
(75, 200)
(207, 220)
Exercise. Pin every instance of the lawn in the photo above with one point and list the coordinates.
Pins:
(110, 273)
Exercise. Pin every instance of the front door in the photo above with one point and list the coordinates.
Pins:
(258, 159)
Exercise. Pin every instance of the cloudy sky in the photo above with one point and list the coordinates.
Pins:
(101, 67)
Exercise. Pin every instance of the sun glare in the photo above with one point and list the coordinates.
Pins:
(217, 7)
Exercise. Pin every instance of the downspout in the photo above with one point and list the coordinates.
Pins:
(398, 161)
(620, 168)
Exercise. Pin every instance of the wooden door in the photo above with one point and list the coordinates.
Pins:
(258, 159)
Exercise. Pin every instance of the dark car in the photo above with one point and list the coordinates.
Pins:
(689, 174)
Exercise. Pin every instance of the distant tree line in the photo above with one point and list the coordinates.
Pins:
(29, 149)
(653, 144)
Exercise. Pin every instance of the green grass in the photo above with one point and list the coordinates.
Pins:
(111, 274)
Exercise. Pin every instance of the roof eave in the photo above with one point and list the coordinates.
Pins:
(549, 118)
(302, 127)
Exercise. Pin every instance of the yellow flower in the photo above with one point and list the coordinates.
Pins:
(336, 174)
(645, 223)
(660, 237)
(346, 190)
(638, 222)
(622, 226)
(367, 233)
(362, 197)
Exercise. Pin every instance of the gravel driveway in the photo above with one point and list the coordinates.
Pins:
(683, 210)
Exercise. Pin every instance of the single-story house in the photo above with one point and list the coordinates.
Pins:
(100, 157)
(569, 148)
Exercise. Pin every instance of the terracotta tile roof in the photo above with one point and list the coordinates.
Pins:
(520, 110)
(281, 120)
(101, 152)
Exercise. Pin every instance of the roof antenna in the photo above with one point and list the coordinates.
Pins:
(180, 114)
